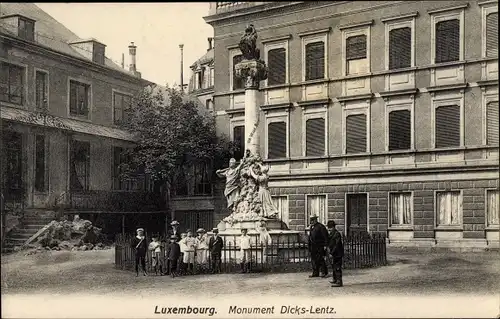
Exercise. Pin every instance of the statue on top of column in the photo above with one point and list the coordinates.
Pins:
(248, 44)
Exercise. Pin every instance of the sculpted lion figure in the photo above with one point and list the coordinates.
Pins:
(248, 44)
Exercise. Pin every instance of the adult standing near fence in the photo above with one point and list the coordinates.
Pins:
(318, 240)
(246, 255)
(202, 248)
(140, 245)
(336, 249)
(215, 246)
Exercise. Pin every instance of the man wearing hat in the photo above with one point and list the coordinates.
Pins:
(140, 245)
(175, 229)
(318, 240)
(336, 248)
(173, 254)
(215, 246)
(202, 248)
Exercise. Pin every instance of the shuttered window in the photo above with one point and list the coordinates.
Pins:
(447, 126)
(492, 123)
(238, 83)
(239, 140)
(356, 47)
(448, 41)
(79, 98)
(315, 137)
(356, 134)
(315, 61)
(399, 130)
(492, 35)
(276, 61)
(400, 48)
(276, 140)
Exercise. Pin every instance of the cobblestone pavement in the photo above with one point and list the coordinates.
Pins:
(92, 272)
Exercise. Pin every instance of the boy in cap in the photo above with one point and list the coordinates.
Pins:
(245, 245)
(140, 246)
(215, 245)
(182, 245)
(155, 248)
(189, 251)
(202, 248)
(318, 240)
(336, 248)
(173, 254)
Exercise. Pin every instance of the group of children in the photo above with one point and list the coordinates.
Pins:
(179, 256)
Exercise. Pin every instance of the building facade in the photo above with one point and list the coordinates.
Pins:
(62, 102)
(380, 115)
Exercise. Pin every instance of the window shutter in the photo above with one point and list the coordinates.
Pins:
(447, 126)
(400, 130)
(239, 140)
(492, 34)
(315, 61)
(356, 134)
(492, 123)
(448, 41)
(73, 100)
(400, 48)
(315, 137)
(238, 83)
(356, 47)
(277, 66)
(276, 140)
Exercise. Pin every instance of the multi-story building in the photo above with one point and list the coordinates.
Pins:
(380, 115)
(62, 101)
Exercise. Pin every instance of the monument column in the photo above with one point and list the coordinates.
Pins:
(252, 71)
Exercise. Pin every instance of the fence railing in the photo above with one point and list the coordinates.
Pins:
(280, 255)
(116, 201)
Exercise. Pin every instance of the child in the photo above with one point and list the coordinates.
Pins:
(202, 249)
(173, 254)
(140, 246)
(182, 245)
(189, 251)
(155, 249)
(245, 251)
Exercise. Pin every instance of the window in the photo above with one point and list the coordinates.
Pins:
(98, 55)
(79, 166)
(401, 209)
(212, 77)
(27, 29)
(41, 90)
(357, 213)
(447, 126)
(209, 104)
(239, 140)
(356, 141)
(203, 185)
(238, 83)
(12, 152)
(11, 83)
(447, 41)
(449, 208)
(200, 76)
(492, 34)
(276, 140)
(40, 163)
(356, 56)
(315, 60)
(492, 123)
(121, 107)
(276, 61)
(399, 130)
(316, 206)
(400, 48)
(79, 98)
(492, 207)
(118, 182)
(281, 203)
(315, 137)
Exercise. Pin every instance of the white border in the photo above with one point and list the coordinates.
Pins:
(278, 45)
(277, 117)
(398, 24)
(487, 97)
(486, 9)
(397, 104)
(311, 39)
(47, 88)
(352, 32)
(113, 92)
(461, 213)
(90, 97)
(314, 112)
(25, 100)
(389, 213)
(444, 16)
(232, 54)
(355, 108)
(438, 100)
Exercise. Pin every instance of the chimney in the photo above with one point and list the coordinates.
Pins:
(210, 43)
(181, 46)
(123, 60)
(132, 50)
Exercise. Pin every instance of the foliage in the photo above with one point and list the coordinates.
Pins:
(172, 132)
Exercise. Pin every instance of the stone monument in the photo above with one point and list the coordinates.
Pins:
(247, 193)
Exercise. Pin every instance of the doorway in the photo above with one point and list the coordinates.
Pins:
(356, 213)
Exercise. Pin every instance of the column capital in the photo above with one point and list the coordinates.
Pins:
(252, 71)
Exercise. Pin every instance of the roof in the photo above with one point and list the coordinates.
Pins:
(208, 57)
(49, 32)
(23, 116)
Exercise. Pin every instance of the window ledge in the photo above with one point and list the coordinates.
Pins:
(280, 106)
(14, 105)
(312, 158)
(346, 98)
(400, 17)
(460, 86)
(400, 70)
(322, 102)
(447, 64)
(487, 83)
(449, 8)
(355, 76)
(238, 91)
(235, 111)
(276, 39)
(400, 228)
(357, 154)
(449, 228)
(316, 81)
(80, 118)
(492, 228)
(355, 25)
(315, 32)
(400, 152)
(387, 94)
(276, 86)
(277, 160)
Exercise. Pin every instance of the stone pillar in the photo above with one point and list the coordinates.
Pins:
(253, 71)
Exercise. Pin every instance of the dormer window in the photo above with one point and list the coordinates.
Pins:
(26, 29)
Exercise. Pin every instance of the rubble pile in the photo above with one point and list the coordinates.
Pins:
(78, 234)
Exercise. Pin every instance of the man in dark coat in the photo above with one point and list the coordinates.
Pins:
(336, 249)
(215, 245)
(140, 245)
(318, 240)
(173, 254)
(173, 232)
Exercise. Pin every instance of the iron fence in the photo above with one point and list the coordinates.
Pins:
(280, 255)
